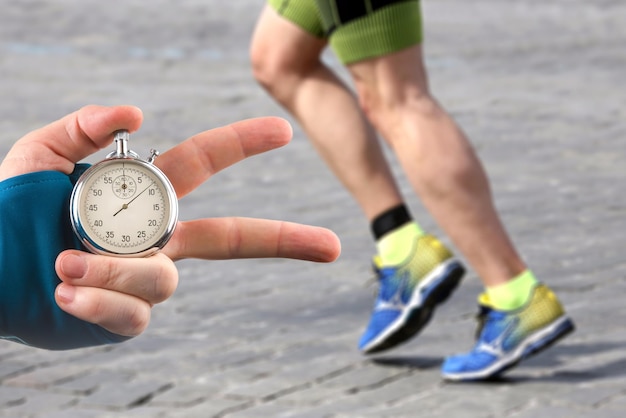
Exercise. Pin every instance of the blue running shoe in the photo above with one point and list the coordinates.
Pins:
(409, 293)
(508, 337)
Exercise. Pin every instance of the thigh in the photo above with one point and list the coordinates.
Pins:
(394, 77)
(364, 29)
(282, 43)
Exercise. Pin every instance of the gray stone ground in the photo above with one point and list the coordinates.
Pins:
(538, 86)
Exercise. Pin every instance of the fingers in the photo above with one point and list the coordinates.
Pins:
(115, 293)
(60, 144)
(195, 160)
(225, 238)
(192, 162)
(116, 312)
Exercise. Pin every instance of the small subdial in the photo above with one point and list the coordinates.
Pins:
(124, 187)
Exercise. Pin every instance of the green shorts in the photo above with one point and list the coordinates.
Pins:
(357, 29)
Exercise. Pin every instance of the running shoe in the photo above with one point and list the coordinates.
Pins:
(508, 337)
(409, 293)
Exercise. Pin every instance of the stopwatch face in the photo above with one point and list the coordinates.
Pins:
(124, 207)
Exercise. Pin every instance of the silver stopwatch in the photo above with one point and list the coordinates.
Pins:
(124, 206)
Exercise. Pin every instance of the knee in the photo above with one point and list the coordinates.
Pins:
(277, 72)
(393, 110)
(265, 69)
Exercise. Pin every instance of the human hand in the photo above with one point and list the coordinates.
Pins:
(117, 293)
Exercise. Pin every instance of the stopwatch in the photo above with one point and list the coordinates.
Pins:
(124, 206)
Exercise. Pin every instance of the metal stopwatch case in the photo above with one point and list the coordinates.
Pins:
(124, 206)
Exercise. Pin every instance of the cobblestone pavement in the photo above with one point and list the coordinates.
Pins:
(538, 86)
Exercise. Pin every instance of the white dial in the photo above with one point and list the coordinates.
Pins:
(124, 206)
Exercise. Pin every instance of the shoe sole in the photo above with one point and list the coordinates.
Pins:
(533, 344)
(440, 283)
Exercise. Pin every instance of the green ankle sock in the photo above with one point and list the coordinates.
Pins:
(396, 246)
(513, 294)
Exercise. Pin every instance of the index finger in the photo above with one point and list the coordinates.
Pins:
(190, 163)
(228, 238)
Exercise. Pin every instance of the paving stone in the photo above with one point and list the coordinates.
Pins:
(10, 368)
(213, 408)
(25, 402)
(46, 376)
(119, 396)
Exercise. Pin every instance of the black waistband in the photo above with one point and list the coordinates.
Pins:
(350, 9)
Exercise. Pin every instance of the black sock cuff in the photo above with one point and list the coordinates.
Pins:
(390, 220)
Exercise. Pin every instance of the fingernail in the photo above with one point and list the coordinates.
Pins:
(74, 266)
(66, 292)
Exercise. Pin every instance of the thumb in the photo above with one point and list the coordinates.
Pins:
(59, 145)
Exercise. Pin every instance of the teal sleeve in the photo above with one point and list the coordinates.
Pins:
(34, 228)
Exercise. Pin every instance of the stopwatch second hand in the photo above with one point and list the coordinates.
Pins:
(125, 205)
